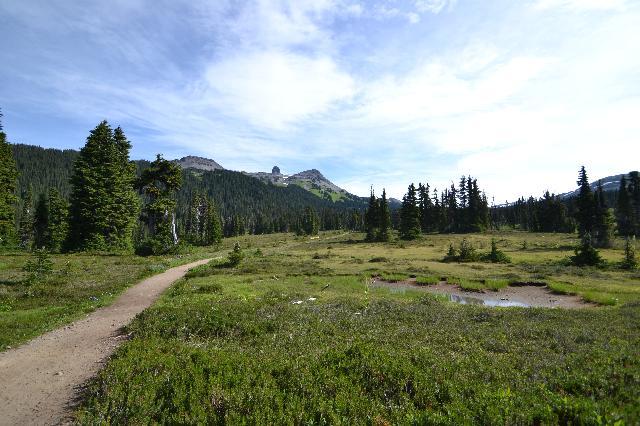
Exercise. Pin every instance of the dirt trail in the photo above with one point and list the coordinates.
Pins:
(40, 380)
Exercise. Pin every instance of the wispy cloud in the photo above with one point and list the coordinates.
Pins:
(581, 4)
(379, 92)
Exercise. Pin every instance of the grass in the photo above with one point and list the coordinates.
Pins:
(287, 337)
(496, 285)
(393, 278)
(476, 286)
(428, 280)
(78, 284)
(265, 344)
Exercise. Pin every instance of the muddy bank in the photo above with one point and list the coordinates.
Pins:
(522, 295)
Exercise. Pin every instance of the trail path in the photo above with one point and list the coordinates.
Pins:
(40, 380)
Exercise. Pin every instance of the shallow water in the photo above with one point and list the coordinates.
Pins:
(470, 300)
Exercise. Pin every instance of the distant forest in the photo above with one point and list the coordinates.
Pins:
(197, 205)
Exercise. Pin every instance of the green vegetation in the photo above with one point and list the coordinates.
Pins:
(427, 280)
(158, 183)
(285, 338)
(8, 181)
(42, 291)
(104, 205)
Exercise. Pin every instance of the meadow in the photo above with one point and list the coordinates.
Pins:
(31, 304)
(295, 334)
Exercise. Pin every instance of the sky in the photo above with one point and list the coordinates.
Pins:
(519, 94)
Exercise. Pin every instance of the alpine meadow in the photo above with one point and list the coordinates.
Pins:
(152, 271)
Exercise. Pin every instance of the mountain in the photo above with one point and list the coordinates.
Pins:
(199, 163)
(238, 196)
(310, 180)
(609, 184)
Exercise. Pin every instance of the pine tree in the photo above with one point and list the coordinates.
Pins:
(309, 222)
(604, 222)
(213, 224)
(630, 261)
(41, 222)
(372, 217)
(159, 183)
(104, 205)
(27, 219)
(585, 253)
(8, 181)
(384, 220)
(57, 221)
(624, 209)
(585, 205)
(409, 215)
(634, 186)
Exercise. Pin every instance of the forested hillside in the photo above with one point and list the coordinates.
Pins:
(244, 202)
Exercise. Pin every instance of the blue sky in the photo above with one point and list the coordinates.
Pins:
(517, 93)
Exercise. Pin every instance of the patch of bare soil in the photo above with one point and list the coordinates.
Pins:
(534, 295)
(40, 381)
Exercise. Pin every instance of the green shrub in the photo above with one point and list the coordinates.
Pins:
(630, 261)
(236, 256)
(39, 266)
(586, 254)
(496, 255)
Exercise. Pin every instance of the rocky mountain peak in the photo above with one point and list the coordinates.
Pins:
(198, 163)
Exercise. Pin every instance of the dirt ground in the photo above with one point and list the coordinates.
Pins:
(40, 381)
(526, 295)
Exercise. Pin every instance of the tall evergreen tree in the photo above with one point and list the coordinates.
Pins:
(27, 221)
(585, 205)
(372, 217)
(159, 183)
(384, 220)
(213, 224)
(8, 181)
(57, 221)
(41, 222)
(409, 215)
(634, 186)
(604, 222)
(309, 222)
(104, 205)
(624, 209)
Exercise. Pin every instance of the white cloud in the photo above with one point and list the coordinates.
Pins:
(434, 6)
(438, 90)
(581, 4)
(276, 89)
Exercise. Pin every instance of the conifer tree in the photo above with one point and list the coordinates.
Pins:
(384, 220)
(41, 222)
(104, 205)
(159, 183)
(309, 222)
(27, 221)
(585, 205)
(372, 217)
(57, 221)
(624, 209)
(409, 215)
(8, 181)
(630, 261)
(213, 224)
(634, 186)
(604, 222)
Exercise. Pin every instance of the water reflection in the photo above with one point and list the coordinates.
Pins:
(470, 300)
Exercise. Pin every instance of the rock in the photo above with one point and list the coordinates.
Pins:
(275, 170)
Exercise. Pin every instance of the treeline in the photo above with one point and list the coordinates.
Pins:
(98, 199)
(456, 209)
(246, 204)
(601, 213)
